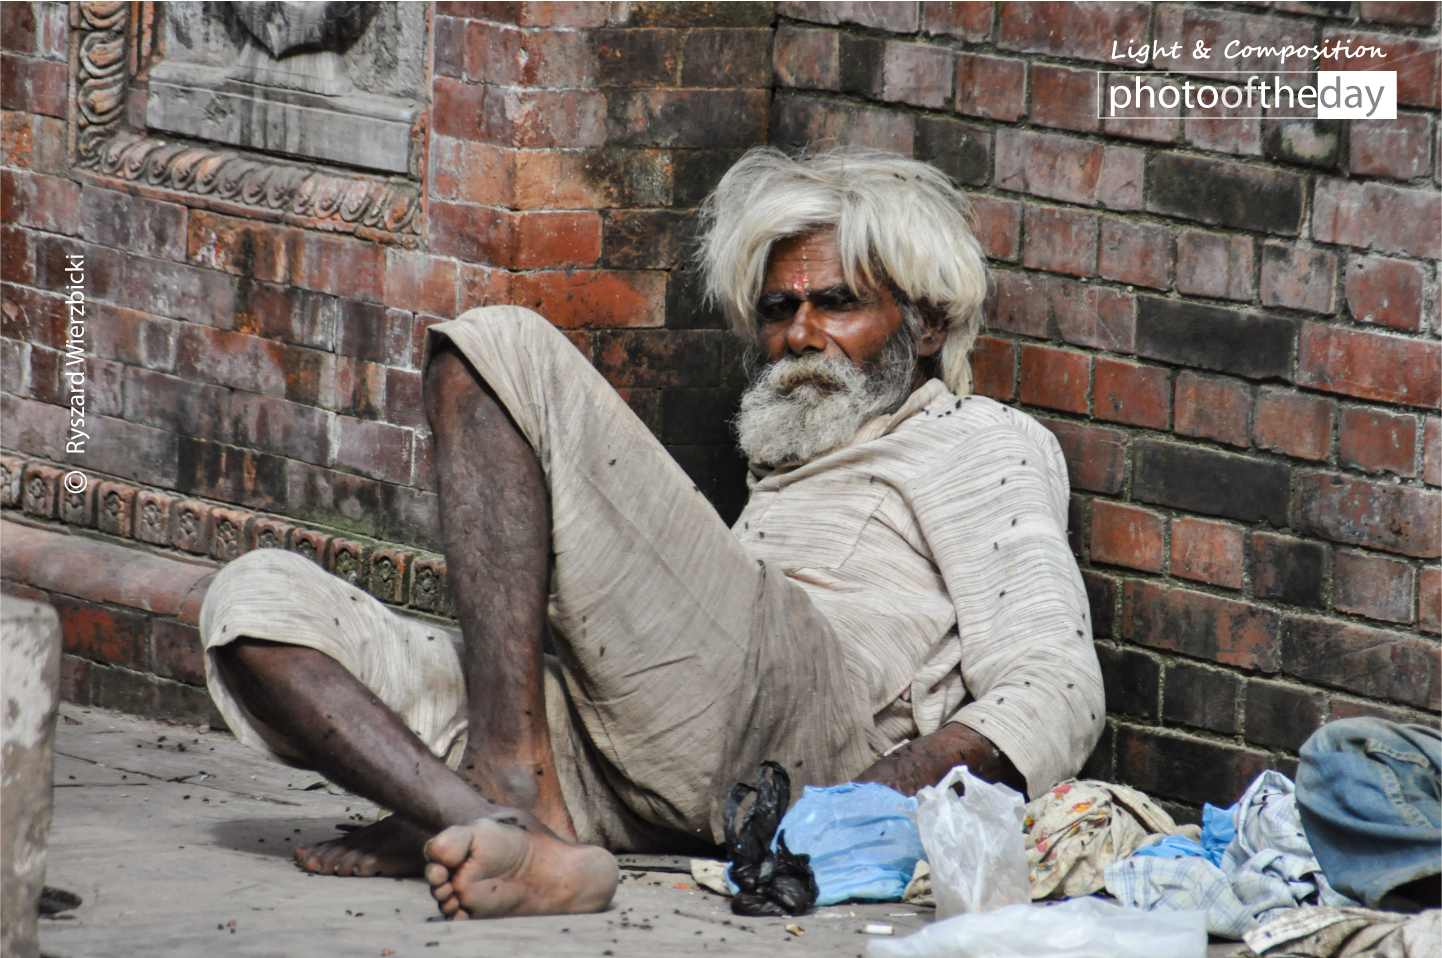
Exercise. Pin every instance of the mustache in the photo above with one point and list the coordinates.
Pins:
(793, 372)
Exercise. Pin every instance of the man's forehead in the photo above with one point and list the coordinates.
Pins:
(802, 263)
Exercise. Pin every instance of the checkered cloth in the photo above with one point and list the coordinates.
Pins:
(1267, 871)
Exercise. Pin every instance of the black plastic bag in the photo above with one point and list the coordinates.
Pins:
(771, 883)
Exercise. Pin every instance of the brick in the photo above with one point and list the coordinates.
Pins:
(428, 586)
(1199, 625)
(1189, 769)
(33, 86)
(993, 368)
(40, 496)
(648, 239)
(1429, 599)
(639, 57)
(1214, 29)
(1282, 716)
(46, 203)
(17, 25)
(967, 21)
(17, 256)
(1083, 32)
(77, 508)
(1223, 129)
(388, 575)
(891, 17)
(1201, 697)
(1155, 120)
(998, 227)
(255, 480)
(1410, 12)
(152, 517)
(1432, 452)
(1400, 149)
(241, 247)
(1067, 169)
(350, 562)
(1370, 585)
(268, 533)
(1414, 58)
(1293, 424)
(420, 283)
(678, 119)
(1095, 456)
(1123, 536)
(807, 58)
(169, 402)
(1213, 483)
(916, 74)
(1386, 292)
(1209, 337)
(191, 526)
(1376, 440)
(102, 634)
(1209, 407)
(1020, 303)
(596, 298)
(990, 87)
(604, 179)
(1298, 278)
(650, 359)
(959, 150)
(1208, 552)
(1315, 143)
(554, 119)
(177, 651)
(1372, 662)
(229, 533)
(1055, 378)
(1209, 264)
(1226, 194)
(1132, 681)
(1377, 217)
(1061, 241)
(861, 61)
(1398, 519)
(1136, 253)
(1102, 599)
(1349, 708)
(376, 449)
(726, 58)
(1063, 97)
(12, 469)
(133, 223)
(1369, 365)
(1131, 394)
(315, 546)
(799, 121)
(115, 505)
(340, 266)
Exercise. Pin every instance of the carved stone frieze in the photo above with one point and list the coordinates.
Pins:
(105, 144)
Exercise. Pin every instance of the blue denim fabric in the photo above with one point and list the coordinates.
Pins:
(1370, 799)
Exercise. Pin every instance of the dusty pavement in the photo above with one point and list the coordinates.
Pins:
(178, 841)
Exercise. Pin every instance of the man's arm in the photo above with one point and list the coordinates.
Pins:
(923, 761)
(993, 511)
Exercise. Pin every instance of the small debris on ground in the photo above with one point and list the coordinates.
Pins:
(876, 928)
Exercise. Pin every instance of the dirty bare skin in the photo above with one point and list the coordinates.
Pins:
(495, 517)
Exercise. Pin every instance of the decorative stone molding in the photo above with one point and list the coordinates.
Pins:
(105, 59)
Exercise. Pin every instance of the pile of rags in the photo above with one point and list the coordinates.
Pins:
(1347, 933)
(1268, 868)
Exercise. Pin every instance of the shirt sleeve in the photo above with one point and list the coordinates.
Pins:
(994, 514)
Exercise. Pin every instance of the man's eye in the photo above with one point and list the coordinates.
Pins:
(776, 308)
(835, 302)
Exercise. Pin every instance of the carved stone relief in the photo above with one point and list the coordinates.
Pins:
(336, 83)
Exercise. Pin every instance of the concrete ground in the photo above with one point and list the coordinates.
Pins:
(178, 841)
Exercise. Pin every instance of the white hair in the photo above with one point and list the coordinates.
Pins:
(896, 216)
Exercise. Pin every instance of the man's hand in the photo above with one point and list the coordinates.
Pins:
(924, 761)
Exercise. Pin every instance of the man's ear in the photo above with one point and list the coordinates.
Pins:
(933, 330)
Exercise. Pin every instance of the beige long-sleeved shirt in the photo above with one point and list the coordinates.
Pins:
(935, 543)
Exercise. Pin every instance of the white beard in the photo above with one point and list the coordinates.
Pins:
(802, 407)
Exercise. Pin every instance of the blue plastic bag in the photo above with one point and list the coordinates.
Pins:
(1173, 846)
(1217, 832)
(859, 838)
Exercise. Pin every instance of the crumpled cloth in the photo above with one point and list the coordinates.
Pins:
(1075, 830)
(1267, 870)
(1347, 933)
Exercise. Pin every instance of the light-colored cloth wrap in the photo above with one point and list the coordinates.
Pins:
(683, 661)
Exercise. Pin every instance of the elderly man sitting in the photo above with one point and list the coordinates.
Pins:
(897, 598)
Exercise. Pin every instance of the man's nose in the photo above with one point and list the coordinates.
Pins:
(804, 333)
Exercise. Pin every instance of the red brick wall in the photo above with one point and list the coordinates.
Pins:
(1231, 325)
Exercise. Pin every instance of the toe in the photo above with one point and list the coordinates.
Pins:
(438, 874)
(450, 847)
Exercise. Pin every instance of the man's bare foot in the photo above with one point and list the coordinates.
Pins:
(514, 865)
(392, 846)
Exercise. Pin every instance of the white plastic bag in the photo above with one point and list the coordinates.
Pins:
(973, 844)
(1077, 928)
